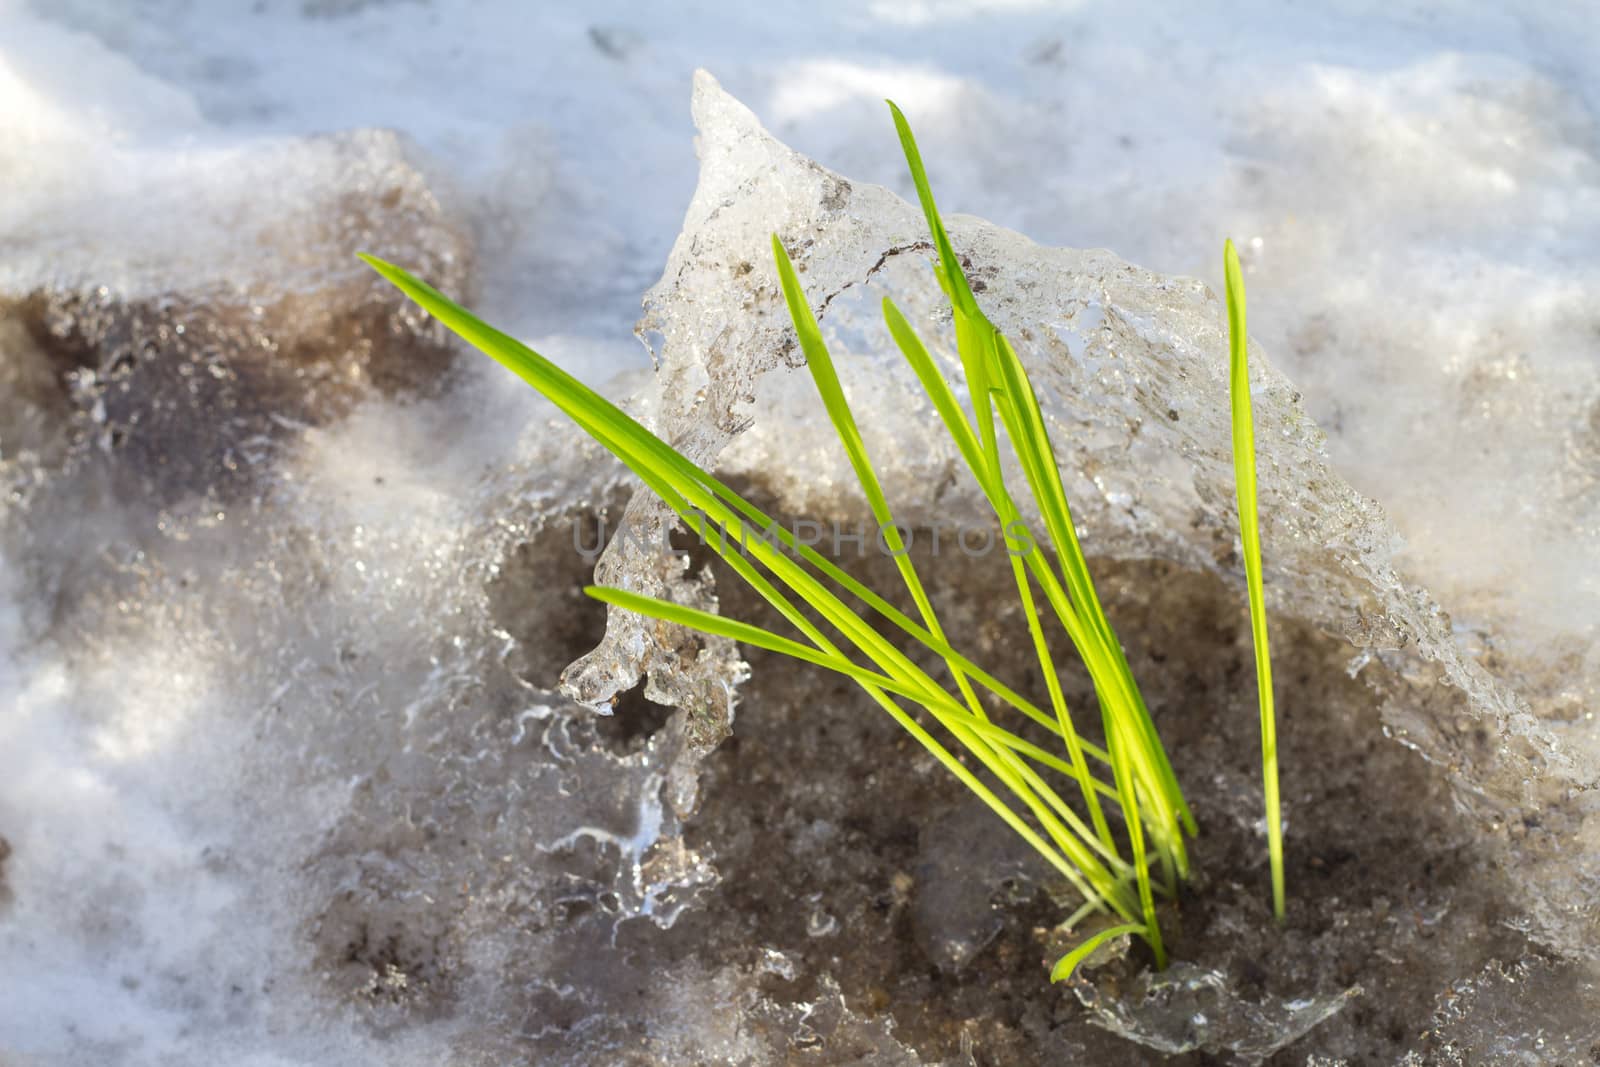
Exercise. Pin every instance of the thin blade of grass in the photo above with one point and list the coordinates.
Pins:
(933, 383)
(759, 637)
(1082, 615)
(1069, 963)
(1244, 469)
(826, 378)
(950, 414)
(1139, 761)
(984, 354)
(1016, 774)
(958, 290)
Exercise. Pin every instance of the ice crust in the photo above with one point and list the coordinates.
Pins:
(1131, 370)
(277, 786)
(1187, 1008)
(289, 777)
(1529, 1011)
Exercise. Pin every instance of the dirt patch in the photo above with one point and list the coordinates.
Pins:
(844, 848)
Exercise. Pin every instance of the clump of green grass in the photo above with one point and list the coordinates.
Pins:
(1120, 839)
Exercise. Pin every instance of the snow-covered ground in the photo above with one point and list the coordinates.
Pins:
(1416, 186)
(1415, 189)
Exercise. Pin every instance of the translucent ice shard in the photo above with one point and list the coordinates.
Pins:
(964, 872)
(1187, 1008)
(1517, 1013)
(1131, 368)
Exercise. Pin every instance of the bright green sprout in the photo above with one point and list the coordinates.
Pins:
(1244, 469)
(1113, 875)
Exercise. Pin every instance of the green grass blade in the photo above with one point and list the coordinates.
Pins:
(1244, 469)
(1098, 885)
(682, 484)
(826, 378)
(986, 473)
(933, 383)
(1024, 747)
(956, 286)
(974, 333)
(820, 363)
(1073, 873)
(746, 633)
(992, 371)
(996, 382)
(1016, 774)
(1083, 615)
(758, 637)
(965, 723)
(1069, 963)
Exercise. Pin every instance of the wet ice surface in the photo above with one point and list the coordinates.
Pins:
(1129, 367)
(286, 775)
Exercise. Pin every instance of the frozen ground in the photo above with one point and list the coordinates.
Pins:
(284, 778)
